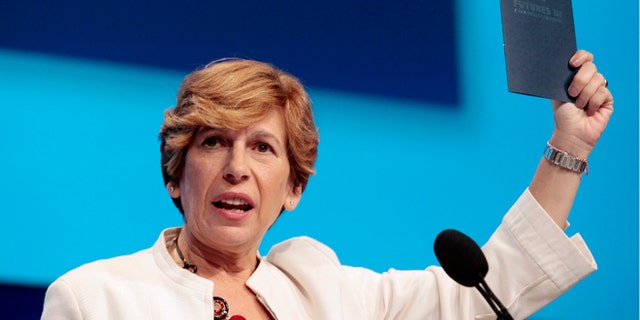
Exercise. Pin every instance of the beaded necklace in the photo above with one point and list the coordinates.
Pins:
(220, 306)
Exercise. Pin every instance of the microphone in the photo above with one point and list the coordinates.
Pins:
(463, 260)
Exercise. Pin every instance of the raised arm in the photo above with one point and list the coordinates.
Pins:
(578, 127)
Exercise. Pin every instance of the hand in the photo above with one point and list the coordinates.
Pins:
(579, 125)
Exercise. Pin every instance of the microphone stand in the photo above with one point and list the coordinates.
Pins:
(494, 303)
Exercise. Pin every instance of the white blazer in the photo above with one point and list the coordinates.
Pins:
(531, 262)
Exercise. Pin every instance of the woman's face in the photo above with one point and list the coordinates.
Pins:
(235, 183)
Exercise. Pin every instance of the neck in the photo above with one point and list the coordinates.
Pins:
(211, 263)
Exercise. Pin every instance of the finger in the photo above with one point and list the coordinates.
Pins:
(590, 89)
(581, 79)
(602, 98)
(579, 58)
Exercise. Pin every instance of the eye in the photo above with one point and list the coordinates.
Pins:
(211, 141)
(263, 147)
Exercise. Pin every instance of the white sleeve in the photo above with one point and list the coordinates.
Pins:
(531, 262)
(60, 303)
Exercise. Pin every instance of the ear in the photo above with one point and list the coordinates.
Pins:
(173, 189)
(293, 198)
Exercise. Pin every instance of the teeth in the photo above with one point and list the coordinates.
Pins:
(234, 202)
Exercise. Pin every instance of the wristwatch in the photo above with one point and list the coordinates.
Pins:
(564, 160)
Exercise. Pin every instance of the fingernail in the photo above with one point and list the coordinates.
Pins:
(572, 91)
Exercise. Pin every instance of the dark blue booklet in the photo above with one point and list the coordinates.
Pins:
(539, 39)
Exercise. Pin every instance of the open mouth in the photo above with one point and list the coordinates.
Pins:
(237, 205)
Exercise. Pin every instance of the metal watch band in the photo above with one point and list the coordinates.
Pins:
(564, 160)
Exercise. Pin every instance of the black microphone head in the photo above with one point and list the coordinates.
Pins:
(460, 257)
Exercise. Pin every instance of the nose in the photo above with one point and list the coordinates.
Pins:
(236, 169)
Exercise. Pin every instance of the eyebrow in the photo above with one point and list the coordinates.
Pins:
(205, 130)
(263, 134)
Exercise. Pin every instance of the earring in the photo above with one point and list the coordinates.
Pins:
(291, 202)
(172, 189)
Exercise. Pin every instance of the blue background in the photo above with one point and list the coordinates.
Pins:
(416, 138)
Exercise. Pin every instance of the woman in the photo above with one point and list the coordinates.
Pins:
(238, 149)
